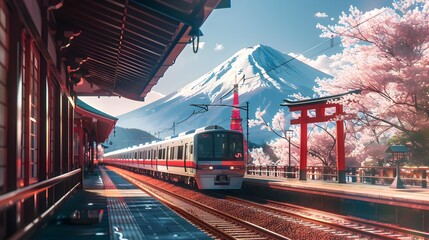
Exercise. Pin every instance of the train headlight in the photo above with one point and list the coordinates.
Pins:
(211, 167)
(231, 167)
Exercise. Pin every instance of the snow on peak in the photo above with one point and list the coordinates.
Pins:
(261, 67)
(264, 76)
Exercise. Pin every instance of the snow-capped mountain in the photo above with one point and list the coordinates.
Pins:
(264, 76)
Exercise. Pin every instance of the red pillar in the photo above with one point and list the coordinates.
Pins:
(235, 113)
(340, 149)
(303, 146)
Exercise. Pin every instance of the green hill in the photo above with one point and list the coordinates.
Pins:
(126, 137)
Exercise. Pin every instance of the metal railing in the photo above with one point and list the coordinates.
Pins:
(411, 176)
(50, 193)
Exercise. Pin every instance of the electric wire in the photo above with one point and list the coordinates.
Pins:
(286, 62)
(308, 50)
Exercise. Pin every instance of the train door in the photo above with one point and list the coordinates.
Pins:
(185, 157)
(166, 157)
(157, 156)
(151, 158)
(140, 158)
(180, 156)
(191, 157)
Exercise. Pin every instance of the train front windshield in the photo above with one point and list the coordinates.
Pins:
(219, 146)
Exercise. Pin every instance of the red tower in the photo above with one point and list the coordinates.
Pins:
(235, 113)
(236, 120)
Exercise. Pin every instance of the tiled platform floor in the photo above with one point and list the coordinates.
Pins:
(129, 213)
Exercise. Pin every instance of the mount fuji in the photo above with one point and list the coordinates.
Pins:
(264, 76)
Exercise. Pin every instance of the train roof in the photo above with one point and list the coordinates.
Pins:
(178, 136)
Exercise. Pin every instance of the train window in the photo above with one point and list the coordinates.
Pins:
(205, 146)
(191, 150)
(218, 146)
(160, 154)
(163, 153)
(148, 155)
(235, 146)
(172, 153)
(180, 152)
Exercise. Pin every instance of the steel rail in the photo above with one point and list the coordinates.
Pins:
(206, 226)
(365, 224)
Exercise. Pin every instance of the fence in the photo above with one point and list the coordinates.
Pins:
(415, 176)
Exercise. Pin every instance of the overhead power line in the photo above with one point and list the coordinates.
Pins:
(331, 40)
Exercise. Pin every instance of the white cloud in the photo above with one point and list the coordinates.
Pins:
(321, 15)
(117, 106)
(218, 47)
(326, 64)
(332, 19)
(200, 45)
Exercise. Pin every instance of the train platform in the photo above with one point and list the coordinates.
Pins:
(407, 207)
(109, 207)
(411, 195)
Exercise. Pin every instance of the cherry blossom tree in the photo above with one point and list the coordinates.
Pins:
(259, 157)
(386, 55)
(321, 143)
(360, 146)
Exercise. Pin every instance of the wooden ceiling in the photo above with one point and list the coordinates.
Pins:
(123, 47)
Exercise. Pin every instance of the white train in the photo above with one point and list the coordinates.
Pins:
(209, 157)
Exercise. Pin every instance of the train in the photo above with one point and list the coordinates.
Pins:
(208, 158)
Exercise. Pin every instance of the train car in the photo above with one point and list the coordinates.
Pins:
(210, 158)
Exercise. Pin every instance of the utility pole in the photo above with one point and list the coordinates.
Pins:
(174, 128)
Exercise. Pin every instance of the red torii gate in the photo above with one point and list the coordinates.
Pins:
(319, 105)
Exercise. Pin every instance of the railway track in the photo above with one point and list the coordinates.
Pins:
(216, 223)
(225, 226)
(349, 227)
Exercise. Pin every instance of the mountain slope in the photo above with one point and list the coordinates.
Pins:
(264, 75)
(124, 137)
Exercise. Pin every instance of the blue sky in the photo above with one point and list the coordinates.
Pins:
(286, 25)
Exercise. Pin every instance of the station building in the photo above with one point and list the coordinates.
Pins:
(52, 52)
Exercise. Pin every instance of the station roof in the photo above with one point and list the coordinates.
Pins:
(397, 149)
(123, 47)
(290, 103)
(97, 121)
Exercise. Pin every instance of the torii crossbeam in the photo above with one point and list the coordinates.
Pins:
(319, 105)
